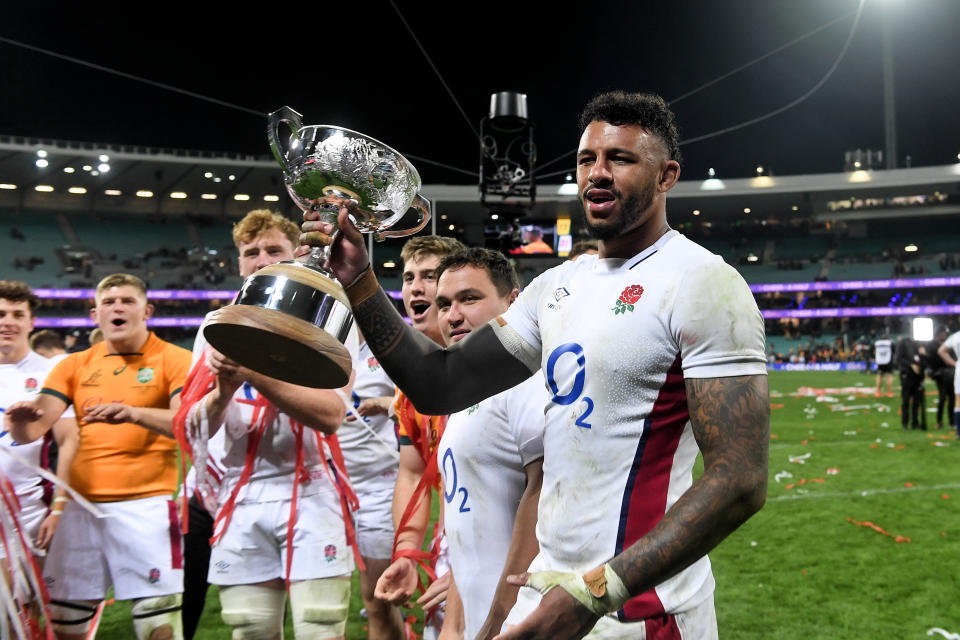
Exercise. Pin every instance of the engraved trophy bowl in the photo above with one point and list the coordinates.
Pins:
(289, 321)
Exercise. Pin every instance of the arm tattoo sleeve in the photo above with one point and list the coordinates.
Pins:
(731, 422)
(438, 381)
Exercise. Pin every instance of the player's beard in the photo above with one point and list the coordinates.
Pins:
(631, 212)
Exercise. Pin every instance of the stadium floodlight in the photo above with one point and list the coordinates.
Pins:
(77, 190)
(68, 169)
(389, 264)
(760, 170)
(87, 167)
(746, 209)
(241, 197)
(104, 157)
(216, 179)
(494, 216)
(178, 195)
(271, 198)
(208, 196)
(43, 188)
(103, 167)
(452, 227)
(113, 192)
(8, 187)
(41, 153)
(752, 258)
(443, 216)
(923, 329)
(911, 248)
(231, 177)
(696, 212)
(144, 193)
(712, 183)
(207, 174)
(42, 163)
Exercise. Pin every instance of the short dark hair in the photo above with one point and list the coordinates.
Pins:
(501, 272)
(46, 339)
(645, 110)
(16, 291)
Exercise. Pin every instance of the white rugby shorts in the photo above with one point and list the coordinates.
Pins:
(254, 547)
(374, 519)
(138, 549)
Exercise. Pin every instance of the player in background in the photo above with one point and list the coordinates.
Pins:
(883, 355)
(125, 392)
(419, 435)
(490, 456)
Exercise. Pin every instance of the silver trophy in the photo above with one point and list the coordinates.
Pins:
(290, 319)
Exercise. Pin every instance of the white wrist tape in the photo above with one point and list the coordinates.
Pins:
(600, 590)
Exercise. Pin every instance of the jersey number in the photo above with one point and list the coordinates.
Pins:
(579, 380)
(452, 485)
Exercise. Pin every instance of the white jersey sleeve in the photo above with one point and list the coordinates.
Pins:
(520, 334)
(525, 404)
(717, 324)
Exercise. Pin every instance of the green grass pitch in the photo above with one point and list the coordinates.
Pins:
(800, 568)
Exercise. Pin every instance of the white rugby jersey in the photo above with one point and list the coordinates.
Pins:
(367, 447)
(19, 382)
(275, 459)
(953, 342)
(481, 457)
(615, 340)
(883, 350)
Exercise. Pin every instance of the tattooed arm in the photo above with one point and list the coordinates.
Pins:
(731, 422)
(438, 381)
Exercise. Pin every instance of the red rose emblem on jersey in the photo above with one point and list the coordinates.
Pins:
(31, 384)
(330, 552)
(628, 297)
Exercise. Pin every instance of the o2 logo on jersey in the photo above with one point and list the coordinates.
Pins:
(450, 482)
(567, 355)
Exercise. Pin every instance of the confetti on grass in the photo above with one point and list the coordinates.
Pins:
(870, 525)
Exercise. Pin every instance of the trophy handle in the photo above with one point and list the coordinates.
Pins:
(422, 205)
(292, 119)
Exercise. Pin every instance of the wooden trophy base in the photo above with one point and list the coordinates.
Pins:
(279, 345)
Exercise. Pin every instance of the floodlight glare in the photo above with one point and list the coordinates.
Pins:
(68, 169)
(103, 167)
(923, 329)
(271, 198)
(178, 195)
(241, 196)
(208, 196)
(41, 153)
(104, 157)
(6, 186)
(45, 188)
(42, 163)
(113, 192)
(451, 227)
(696, 212)
(494, 216)
(77, 190)
(87, 167)
(143, 193)
(207, 174)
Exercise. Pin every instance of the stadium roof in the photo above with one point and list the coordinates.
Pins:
(201, 76)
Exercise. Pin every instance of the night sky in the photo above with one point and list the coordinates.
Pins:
(356, 65)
